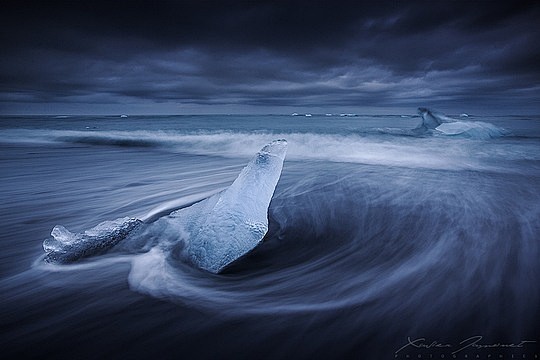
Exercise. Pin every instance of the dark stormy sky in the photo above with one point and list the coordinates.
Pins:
(161, 57)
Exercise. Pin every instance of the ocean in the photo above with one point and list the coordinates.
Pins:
(382, 242)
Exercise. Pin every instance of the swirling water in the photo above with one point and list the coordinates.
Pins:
(375, 237)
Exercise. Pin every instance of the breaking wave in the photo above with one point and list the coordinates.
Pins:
(369, 147)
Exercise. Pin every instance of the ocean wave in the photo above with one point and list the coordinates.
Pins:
(336, 242)
(355, 147)
(343, 238)
(376, 243)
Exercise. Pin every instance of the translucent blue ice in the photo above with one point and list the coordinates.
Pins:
(229, 224)
(213, 233)
(444, 125)
(65, 247)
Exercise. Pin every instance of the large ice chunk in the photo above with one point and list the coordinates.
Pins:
(233, 222)
(472, 129)
(211, 233)
(65, 247)
(431, 119)
(441, 124)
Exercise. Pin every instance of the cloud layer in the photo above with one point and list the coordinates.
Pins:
(227, 56)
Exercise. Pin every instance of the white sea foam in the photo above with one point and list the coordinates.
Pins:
(455, 151)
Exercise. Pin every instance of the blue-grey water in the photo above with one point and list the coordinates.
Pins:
(377, 238)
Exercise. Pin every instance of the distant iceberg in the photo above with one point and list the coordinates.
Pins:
(471, 129)
(442, 124)
(431, 120)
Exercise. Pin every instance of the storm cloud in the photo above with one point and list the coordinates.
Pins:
(260, 57)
